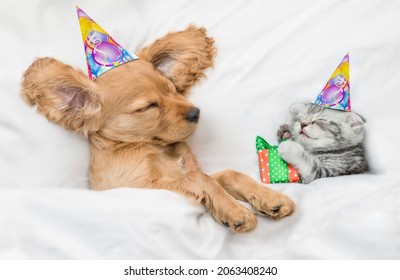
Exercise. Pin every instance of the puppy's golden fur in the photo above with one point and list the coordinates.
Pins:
(137, 119)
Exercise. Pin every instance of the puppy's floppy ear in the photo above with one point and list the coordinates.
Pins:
(182, 56)
(63, 94)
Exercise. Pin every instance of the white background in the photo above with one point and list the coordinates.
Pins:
(270, 54)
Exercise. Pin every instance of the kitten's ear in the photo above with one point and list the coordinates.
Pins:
(355, 121)
(296, 109)
(63, 94)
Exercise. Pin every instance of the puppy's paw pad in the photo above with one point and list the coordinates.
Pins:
(282, 210)
(239, 220)
(274, 205)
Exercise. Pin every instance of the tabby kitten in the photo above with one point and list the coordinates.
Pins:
(323, 142)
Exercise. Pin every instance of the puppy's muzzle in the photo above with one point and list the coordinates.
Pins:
(193, 115)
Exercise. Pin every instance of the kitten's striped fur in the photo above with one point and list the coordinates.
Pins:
(323, 142)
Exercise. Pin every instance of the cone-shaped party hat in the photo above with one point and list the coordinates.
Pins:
(103, 53)
(336, 93)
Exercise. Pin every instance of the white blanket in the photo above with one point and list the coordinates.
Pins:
(270, 54)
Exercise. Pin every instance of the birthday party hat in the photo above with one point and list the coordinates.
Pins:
(103, 53)
(336, 93)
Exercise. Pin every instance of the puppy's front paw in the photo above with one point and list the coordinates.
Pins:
(290, 151)
(272, 204)
(236, 217)
(284, 133)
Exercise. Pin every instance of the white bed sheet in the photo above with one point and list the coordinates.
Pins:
(271, 54)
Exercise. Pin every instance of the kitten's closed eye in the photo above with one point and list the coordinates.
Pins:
(319, 121)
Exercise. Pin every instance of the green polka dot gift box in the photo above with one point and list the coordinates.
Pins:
(273, 169)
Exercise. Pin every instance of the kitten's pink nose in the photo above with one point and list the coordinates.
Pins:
(303, 125)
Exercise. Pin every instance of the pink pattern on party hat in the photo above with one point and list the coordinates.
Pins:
(103, 53)
(336, 93)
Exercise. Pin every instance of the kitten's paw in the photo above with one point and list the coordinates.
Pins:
(290, 151)
(283, 133)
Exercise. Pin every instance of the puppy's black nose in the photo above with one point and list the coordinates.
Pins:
(193, 115)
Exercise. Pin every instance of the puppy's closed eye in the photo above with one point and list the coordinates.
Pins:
(148, 106)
